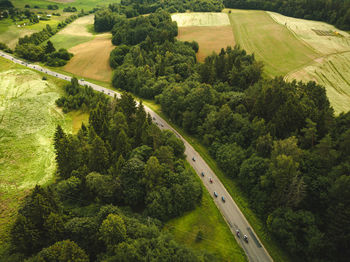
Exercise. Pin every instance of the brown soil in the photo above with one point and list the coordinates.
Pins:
(210, 38)
(91, 59)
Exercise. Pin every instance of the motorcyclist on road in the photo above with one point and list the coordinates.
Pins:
(237, 233)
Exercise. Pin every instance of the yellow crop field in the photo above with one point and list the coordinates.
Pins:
(200, 19)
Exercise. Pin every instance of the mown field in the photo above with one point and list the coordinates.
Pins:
(28, 118)
(74, 34)
(333, 73)
(271, 42)
(331, 69)
(216, 236)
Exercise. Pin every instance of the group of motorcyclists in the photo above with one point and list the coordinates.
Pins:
(245, 238)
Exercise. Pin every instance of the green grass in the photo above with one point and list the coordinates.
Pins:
(68, 41)
(217, 237)
(271, 42)
(28, 118)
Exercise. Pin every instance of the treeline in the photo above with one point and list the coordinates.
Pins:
(336, 12)
(280, 141)
(118, 163)
(106, 18)
(145, 69)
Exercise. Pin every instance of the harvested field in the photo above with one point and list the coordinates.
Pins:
(91, 59)
(210, 38)
(271, 42)
(333, 73)
(201, 19)
(303, 29)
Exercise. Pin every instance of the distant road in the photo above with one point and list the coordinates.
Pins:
(254, 249)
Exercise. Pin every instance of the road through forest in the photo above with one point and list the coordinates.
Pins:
(254, 249)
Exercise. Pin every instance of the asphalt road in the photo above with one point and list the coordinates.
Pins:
(254, 249)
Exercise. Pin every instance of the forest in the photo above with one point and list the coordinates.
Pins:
(118, 180)
(280, 141)
(336, 12)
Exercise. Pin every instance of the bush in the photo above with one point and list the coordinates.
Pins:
(44, 78)
(199, 236)
(27, 6)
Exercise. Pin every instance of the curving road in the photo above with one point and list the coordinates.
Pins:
(254, 249)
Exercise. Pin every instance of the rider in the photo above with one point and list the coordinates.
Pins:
(237, 232)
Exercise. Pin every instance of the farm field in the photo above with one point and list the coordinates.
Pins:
(333, 73)
(74, 34)
(271, 42)
(212, 31)
(331, 69)
(217, 237)
(207, 41)
(322, 37)
(28, 118)
(200, 19)
(91, 59)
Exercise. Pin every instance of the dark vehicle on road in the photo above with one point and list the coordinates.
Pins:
(215, 194)
(202, 174)
(223, 199)
(193, 159)
(210, 180)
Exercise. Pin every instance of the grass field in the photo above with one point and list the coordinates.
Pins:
(10, 32)
(305, 31)
(74, 34)
(331, 69)
(271, 42)
(28, 118)
(91, 59)
(207, 41)
(217, 237)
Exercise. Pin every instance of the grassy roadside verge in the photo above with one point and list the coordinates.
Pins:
(216, 236)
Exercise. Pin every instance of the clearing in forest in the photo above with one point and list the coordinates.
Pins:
(271, 42)
(212, 31)
(91, 59)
